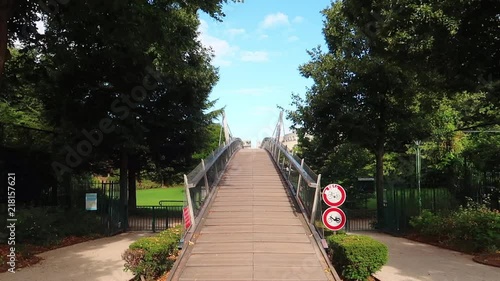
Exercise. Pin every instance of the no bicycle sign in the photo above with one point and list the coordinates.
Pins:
(334, 195)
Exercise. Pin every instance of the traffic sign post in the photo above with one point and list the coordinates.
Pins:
(334, 218)
(334, 195)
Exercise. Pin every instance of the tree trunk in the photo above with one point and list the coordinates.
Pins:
(132, 179)
(4, 11)
(379, 182)
(123, 185)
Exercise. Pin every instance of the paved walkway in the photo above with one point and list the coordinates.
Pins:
(96, 260)
(251, 231)
(414, 261)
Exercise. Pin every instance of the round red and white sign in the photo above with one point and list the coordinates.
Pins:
(334, 195)
(334, 218)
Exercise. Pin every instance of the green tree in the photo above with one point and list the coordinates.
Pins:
(452, 46)
(358, 96)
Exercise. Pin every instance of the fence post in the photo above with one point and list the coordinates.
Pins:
(205, 178)
(278, 159)
(283, 164)
(189, 201)
(215, 165)
(300, 178)
(154, 220)
(316, 199)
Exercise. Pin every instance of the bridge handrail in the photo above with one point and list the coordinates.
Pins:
(199, 172)
(201, 181)
(308, 194)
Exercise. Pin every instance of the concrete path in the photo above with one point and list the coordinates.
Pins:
(251, 231)
(96, 260)
(414, 261)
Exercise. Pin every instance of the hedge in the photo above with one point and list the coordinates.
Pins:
(356, 257)
(471, 229)
(151, 257)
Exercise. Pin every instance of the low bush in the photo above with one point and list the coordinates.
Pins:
(48, 225)
(148, 184)
(151, 257)
(473, 228)
(428, 224)
(356, 257)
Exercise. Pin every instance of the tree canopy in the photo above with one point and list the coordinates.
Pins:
(118, 83)
(396, 72)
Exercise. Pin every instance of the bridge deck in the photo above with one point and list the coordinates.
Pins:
(252, 231)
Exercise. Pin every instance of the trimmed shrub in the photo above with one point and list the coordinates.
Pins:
(356, 257)
(151, 257)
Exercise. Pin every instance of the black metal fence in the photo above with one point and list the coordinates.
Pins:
(361, 211)
(109, 208)
(154, 218)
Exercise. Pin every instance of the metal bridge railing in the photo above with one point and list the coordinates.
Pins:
(305, 184)
(202, 180)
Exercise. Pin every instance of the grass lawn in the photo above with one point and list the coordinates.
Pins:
(151, 197)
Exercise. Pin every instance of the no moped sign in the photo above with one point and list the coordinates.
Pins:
(334, 218)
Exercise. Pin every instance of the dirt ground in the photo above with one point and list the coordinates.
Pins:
(98, 260)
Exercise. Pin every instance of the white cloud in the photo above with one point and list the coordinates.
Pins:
(263, 36)
(221, 48)
(273, 20)
(258, 56)
(235, 31)
(298, 19)
(293, 38)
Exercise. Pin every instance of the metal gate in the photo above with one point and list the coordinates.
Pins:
(361, 212)
(110, 209)
(156, 218)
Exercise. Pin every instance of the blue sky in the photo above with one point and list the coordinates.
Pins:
(258, 48)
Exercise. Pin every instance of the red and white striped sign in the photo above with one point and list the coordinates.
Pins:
(187, 217)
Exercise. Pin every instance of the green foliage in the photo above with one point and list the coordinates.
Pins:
(147, 184)
(151, 257)
(48, 225)
(428, 224)
(471, 229)
(357, 256)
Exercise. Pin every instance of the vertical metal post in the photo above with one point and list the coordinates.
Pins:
(300, 178)
(316, 199)
(278, 159)
(418, 170)
(215, 166)
(283, 164)
(154, 220)
(205, 178)
(189, 202)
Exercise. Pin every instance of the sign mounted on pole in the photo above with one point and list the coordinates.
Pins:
(334, 218)
(334, 195)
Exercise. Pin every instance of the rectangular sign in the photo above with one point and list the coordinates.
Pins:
(91, 201)
(187, 217)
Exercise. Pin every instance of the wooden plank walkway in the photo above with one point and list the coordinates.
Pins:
(251, 231)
